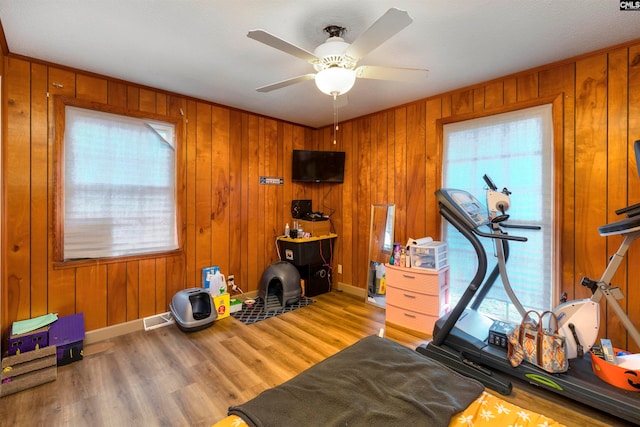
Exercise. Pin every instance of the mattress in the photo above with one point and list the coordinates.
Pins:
(378, 382)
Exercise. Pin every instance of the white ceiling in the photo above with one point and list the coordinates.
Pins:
(199, 48)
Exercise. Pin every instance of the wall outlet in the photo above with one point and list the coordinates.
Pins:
(339, 268)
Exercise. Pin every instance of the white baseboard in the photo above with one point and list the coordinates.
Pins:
(97, 335)
(351, 290)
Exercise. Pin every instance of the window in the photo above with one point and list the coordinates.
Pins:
(117, 183)
(516, 150)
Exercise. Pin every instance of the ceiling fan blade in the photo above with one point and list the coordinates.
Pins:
(285, 83)
(388, 25)
(282, 45)
(391, 73)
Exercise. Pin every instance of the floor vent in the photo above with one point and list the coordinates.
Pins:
(158, 321)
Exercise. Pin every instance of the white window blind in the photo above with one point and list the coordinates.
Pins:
(516, 150)
(119, 185)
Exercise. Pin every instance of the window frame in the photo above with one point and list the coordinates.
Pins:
(557, 115)
(60, 104)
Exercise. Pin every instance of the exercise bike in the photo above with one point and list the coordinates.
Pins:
(579, 320)
(461, 337)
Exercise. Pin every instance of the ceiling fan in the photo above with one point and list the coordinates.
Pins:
(335, 61)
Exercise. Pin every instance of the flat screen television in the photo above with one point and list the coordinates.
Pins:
(317, 166)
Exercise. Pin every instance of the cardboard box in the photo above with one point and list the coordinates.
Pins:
(316, 228)
(222, 304)
(235, 305)
(28, 369)
(67, 334)
(29, 341)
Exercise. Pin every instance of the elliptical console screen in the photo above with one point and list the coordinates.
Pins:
(464, 205)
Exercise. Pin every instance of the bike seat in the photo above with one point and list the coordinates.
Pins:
(623, 226)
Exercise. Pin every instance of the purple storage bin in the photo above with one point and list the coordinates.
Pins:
(67, 334)
(28, 341)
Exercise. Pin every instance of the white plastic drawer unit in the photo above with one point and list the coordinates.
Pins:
(432, 256)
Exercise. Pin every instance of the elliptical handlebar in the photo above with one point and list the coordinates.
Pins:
(498, 202)
(490, 182)
(521, 226)
(500, 236)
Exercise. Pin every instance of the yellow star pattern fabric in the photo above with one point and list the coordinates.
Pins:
(486, 410)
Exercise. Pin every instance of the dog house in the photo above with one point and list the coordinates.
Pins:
(280, 286)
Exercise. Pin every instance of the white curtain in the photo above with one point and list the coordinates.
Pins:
(516, 150)
(119, 185)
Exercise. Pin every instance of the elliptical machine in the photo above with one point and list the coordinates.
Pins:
(461, 337)
(498, 203)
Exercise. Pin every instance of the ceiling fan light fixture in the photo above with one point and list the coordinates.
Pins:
(331, 52)
(335, 81)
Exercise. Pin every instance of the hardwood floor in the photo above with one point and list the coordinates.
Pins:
(165, 377)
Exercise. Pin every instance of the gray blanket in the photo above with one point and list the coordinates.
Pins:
(374, 382)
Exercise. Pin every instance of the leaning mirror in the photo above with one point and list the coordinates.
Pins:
(380, 248)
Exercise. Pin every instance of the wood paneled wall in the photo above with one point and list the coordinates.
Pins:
(392, 157)
(395, 156)
(231, 220)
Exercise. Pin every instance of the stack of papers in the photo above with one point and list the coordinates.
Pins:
(24, 326)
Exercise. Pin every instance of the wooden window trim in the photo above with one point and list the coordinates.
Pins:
(60, 103)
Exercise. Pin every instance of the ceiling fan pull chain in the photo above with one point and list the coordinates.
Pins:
(335, 118)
